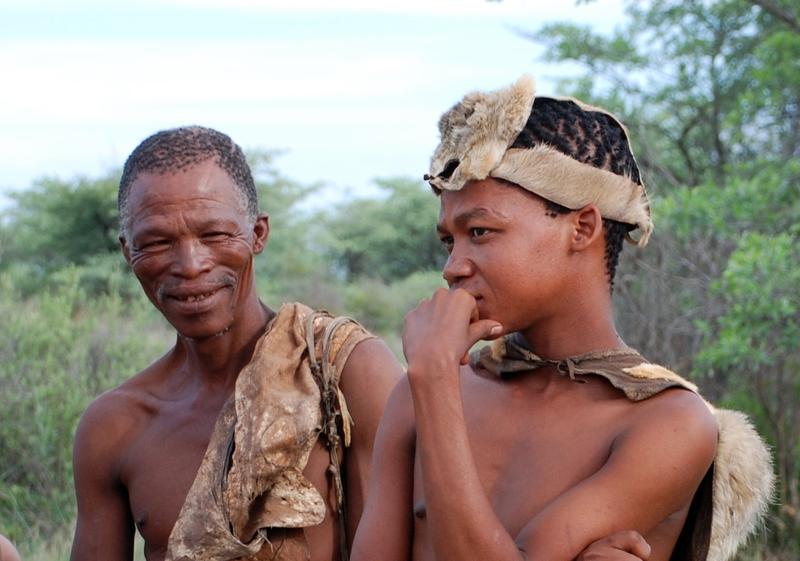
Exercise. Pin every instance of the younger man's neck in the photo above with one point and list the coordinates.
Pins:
(585, 327)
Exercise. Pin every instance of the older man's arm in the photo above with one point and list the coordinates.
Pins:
(7, 550)
(105, 529)
(370, 374)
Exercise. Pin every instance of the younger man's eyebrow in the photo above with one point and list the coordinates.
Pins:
(478, 213)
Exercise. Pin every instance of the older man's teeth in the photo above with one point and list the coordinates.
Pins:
(196, 298)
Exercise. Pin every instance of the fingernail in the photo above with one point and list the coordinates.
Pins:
(496, 330)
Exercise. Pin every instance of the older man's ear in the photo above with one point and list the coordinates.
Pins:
(260, 232)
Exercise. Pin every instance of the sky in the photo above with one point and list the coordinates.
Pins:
(347, 90)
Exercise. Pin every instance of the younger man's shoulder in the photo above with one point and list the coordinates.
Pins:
(674, 423)
(676, 407)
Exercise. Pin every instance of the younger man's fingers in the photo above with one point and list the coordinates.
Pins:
(632, 542)
(484, 329)
(615, 555)
(622, 546)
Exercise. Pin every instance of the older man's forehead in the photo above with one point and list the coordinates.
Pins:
(164, 220)
(204, 180)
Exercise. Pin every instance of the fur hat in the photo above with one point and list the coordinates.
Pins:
(477, 135)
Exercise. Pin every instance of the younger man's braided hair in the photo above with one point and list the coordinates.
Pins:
(590, 137)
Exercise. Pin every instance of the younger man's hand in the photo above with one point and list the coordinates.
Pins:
(622, 546)
(441, 330)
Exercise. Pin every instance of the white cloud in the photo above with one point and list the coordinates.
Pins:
(359, 102)
(460, 7)
(67, 81)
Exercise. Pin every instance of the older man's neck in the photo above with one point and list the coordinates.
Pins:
(218, 360)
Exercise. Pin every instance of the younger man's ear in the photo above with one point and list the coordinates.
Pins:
(587, 227)
(260, 232)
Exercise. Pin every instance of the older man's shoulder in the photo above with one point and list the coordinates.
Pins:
(117, 415)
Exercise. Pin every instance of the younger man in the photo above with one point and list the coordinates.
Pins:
(528, 449)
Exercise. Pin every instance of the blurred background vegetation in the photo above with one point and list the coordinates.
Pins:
(710, 91)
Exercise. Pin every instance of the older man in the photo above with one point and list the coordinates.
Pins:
(231, 445)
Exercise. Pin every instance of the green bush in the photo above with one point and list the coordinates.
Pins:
(58, 350)
(381, 307)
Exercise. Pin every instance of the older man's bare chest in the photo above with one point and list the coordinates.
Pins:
(531, 442)
(160, 465)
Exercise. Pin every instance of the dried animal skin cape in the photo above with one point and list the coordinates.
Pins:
(250, 498)
(741, 480)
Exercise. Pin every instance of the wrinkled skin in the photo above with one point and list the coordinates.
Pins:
(138, 447)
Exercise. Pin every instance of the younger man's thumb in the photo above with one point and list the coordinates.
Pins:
(485, 329)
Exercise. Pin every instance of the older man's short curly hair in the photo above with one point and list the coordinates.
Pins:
(175, 150)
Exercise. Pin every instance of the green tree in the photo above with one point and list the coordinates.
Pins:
(58, 350)
(755, 345)
(388, 238)
(293, 266)
(57, 222)
(703, 85)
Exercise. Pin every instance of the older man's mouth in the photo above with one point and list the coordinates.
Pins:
(193, 301)
(195, 297)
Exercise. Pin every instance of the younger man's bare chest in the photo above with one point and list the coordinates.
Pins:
(531, 444)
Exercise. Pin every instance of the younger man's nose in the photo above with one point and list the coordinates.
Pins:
(457, 268)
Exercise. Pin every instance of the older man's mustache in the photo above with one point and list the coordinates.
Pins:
(182, 290)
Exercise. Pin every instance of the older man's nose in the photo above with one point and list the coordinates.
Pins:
(191, 259)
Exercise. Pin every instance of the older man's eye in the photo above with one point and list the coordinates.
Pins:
(216, 236)
(154, 245)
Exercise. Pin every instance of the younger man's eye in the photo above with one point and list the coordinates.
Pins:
(447, 242)
(478, 232)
